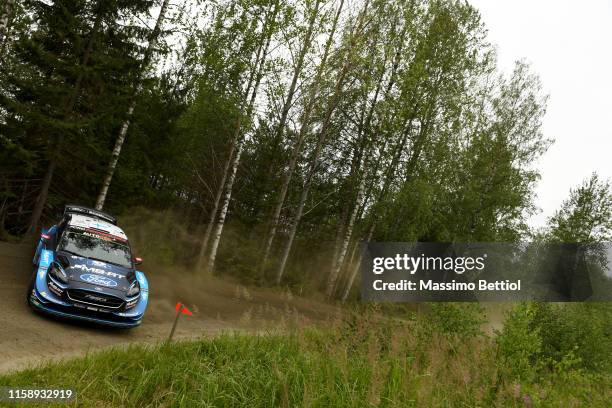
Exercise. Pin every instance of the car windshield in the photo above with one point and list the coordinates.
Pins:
(96, 246)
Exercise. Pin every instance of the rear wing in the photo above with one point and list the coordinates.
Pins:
(78, 209)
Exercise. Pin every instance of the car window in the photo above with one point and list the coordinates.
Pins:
(98, 246)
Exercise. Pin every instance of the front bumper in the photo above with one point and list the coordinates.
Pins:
(41, 298)
(73, 314)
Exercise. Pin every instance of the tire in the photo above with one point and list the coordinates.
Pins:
(31, 286)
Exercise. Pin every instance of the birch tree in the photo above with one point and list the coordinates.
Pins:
(270, 27)
(421, 108)
(112, 164)
(354, 40)
(305, 119)
(368, 135)
(253, 74)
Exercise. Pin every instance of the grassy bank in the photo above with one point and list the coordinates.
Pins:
(355, 363)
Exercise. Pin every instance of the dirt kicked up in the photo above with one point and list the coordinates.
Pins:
(27, 338)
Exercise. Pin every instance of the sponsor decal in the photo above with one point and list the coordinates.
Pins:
(98, 271)
(45, 258)
(55, 289)
(96, 298)
(131, 304)
(98, 280)
(104, 235)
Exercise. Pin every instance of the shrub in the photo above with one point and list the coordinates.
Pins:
(519, 343)
(461, 320)
(556, 337)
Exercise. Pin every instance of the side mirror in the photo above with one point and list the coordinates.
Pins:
(137, 261)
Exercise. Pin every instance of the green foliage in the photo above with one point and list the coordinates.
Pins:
(586, 216)
(520, 343)
(71, 69)
(540, 337)
(461, 320)
(411, 102)
(363, 361)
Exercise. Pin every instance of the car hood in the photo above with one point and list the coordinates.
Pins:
(101, 275)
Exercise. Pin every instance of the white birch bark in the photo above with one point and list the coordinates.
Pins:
(297, 146)
(355, 271)
(226, 168)
(213, 214)
(314, 163)
(333, 276)
(236, 161)
(366, 129)
(223, 213)
(361, 167)
(112, 165)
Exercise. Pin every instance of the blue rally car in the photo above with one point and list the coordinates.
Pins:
(84, 270)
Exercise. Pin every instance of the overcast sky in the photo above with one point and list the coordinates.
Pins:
(569, 45)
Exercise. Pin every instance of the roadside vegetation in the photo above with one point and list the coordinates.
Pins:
(264, 140)
(273, 130)
(429, 359)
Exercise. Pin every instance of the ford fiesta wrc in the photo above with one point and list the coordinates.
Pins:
(84, 270)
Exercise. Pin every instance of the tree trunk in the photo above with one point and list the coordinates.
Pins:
(213, 214)
(44, 188)
(41, 200)
(342, 221)
(355, 271)
(297, 146)
(333, 276)
(361, 167)
(366, 129)
(314, 164)
(297, 71)
(110, 170)
(230, 183)
(220, 223)
(226, 168)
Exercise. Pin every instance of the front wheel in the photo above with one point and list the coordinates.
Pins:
(31, 284)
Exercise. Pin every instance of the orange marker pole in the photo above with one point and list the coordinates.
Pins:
(178, 308)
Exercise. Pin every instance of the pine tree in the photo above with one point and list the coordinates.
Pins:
(63, 95)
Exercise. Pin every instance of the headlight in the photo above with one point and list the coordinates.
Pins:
(58, 273)
(134, 289)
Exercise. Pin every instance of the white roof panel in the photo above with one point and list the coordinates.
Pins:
(84, 221)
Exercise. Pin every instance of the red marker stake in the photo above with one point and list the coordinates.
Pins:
(180, 309)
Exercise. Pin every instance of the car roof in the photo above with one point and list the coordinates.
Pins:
(84, 221)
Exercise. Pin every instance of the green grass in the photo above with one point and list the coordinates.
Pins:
(351, 364)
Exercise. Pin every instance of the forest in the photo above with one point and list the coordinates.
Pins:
(280, 134)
